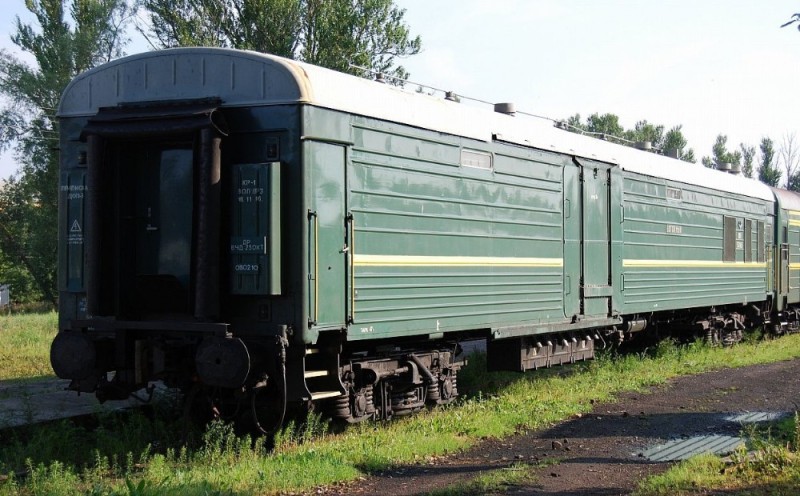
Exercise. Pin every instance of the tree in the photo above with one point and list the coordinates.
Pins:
(748, 157)
(607, 127)
(674, 140)
(768, 172)
(789, 158)
(354, 36)
(645, 131)
(61, 47)
(721, 154)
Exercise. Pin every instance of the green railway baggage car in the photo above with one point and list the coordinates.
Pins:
(261, 232)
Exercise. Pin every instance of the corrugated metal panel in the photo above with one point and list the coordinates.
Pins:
(675, 244)
(440, 246)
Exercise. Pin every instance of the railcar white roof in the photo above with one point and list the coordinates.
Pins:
(241, 78)
(790, 200)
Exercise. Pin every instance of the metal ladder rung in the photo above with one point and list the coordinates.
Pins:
(315, 373)
(321, 395)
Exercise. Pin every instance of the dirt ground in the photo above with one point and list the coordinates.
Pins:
(601, 453)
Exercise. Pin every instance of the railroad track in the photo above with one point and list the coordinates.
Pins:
(25, 402)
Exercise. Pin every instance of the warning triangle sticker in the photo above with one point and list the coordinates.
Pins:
(75, 227)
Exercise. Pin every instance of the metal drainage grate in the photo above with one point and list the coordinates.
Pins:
(682, 449)
(755, 417)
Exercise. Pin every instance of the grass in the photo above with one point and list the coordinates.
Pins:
(492, 482)
(146, 454)
(25, 345)
(769, 466)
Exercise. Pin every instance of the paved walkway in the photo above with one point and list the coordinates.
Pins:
(40, 400)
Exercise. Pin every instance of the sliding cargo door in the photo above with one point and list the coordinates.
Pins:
(328, 248)
(573, 248)
(596, 238)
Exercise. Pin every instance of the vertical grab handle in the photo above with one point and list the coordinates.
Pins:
(313, 267)
(351, 235)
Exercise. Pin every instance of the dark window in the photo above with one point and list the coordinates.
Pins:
(729, 239)
(748, 240)
(760, 241)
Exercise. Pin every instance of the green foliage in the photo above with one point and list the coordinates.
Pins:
(768, 171)
(674, 140)
(23, 288)
(493, 482)
(339, 34)
(608, 127)
(685, 477)
(721, 154)
(61, 46)
(748, 158)
(645, 131)
(607, 124)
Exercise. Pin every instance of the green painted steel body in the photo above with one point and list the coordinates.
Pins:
(674, 242)
(384, 229)
(539, 243)
(440, 247)
(231, 219)
(787, 248)
(380, 230)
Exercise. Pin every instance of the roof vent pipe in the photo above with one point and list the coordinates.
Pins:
(671, 152)
(379, 78)
(644, 145)
(505, 108)
(451, 95)
(724, 166)
(736, 169)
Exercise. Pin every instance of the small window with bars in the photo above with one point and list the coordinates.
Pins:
(748, 240)
(729, 239)
(476, 159)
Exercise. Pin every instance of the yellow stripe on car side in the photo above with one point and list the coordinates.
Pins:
(794, 218)
(362, 260)
(692, 264)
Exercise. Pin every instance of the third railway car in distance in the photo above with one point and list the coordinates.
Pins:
(262, 232)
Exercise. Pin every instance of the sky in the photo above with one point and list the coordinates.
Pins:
(712, 66)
